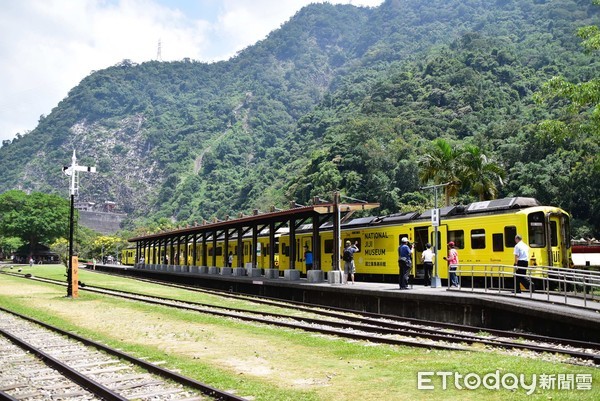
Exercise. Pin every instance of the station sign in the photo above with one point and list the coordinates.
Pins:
(435, 217)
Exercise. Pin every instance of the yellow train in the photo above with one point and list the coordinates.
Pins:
(483, 232)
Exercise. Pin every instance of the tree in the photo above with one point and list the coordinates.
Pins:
(61, 248)
(106, 245)
(8, 245)
(578, 131)
(479, 173)
(440, 165)
(582, 97)
(34, 218)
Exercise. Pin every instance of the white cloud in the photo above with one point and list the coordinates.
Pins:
(49, 46)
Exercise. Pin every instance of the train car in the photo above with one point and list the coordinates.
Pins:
(184, 254)
(128, 256)
(483, 233)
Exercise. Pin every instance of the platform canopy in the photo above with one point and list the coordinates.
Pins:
(297, 213)
(224, 230)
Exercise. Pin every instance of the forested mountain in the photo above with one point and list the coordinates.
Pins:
(339, 97)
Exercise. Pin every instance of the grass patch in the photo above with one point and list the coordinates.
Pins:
(57, 272)
(270, 363)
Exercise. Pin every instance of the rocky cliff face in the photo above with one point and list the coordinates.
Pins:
(125, 174)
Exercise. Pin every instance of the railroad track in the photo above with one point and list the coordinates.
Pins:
(390, 320)
(376, 328)
(40, 362)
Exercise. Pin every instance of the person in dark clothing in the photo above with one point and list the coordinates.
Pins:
(308, 258)
(348, 257)
(404, 263)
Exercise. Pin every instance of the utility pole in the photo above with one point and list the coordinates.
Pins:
(72, 270)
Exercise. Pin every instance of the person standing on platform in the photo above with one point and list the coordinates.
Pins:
(308, 258)
(348, 257)
(404, 262)
(230, 259)
(452, 264)
(522, 261)
(427, 260)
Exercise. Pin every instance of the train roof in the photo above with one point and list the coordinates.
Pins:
(492, 206)
(502, 204)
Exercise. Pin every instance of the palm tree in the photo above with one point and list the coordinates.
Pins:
(441, 166)
(479, 173)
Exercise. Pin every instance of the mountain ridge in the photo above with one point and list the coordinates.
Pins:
(260, 120)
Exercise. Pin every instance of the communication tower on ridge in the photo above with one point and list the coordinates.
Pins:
(158, 52)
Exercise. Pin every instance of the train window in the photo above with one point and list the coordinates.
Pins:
(267, 249)
(458, 237)
(553, 234)
(328, 246)
(498, 242)
(400, 238)
(219, 251)
(537, 233)
(286, 250)
(352, 241)
(509, 236)
(478, 238)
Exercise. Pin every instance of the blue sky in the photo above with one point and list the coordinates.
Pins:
(48, 46)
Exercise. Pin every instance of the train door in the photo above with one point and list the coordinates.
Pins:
(303, 246)
(420, 239)
(558, 224)
(284, 253)
(262, 253)
(247, 258)
(440, 249)
(327, 262)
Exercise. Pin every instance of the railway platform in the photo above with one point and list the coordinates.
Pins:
(538, 313)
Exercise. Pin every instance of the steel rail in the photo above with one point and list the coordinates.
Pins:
(186, 381)
(339, 312)
(79, 378)
(374, 327)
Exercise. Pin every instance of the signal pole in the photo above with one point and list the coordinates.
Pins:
(72, 270)
(435, 222)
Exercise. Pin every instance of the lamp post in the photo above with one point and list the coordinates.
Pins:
(435, 222)
(72, 171)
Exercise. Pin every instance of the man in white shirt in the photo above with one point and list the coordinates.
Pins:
(522, 260)
(427, 259)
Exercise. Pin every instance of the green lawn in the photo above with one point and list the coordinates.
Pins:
(268, 363)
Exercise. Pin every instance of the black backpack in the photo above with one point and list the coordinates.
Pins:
(347, 257)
